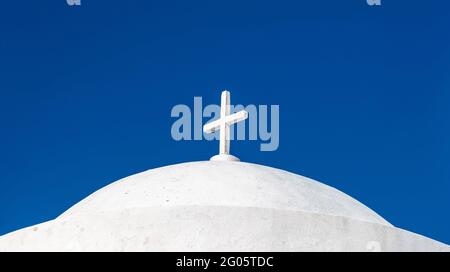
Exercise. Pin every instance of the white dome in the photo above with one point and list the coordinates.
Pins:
(217, 206)
(210, 183)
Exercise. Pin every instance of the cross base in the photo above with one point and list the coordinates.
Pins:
(224, 157)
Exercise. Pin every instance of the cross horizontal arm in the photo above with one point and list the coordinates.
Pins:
(236, 117)
(212, 126)
(229, 120)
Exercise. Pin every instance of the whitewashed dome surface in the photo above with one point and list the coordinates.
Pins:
(217, 206)
(238, 184)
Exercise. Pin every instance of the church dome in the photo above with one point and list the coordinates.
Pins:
(211, 183)
(217, 206)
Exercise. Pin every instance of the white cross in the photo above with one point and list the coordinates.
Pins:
(223, 124)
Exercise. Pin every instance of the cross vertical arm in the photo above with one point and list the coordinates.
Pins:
(224, 145)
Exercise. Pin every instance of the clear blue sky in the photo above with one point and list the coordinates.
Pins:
(364, 95)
